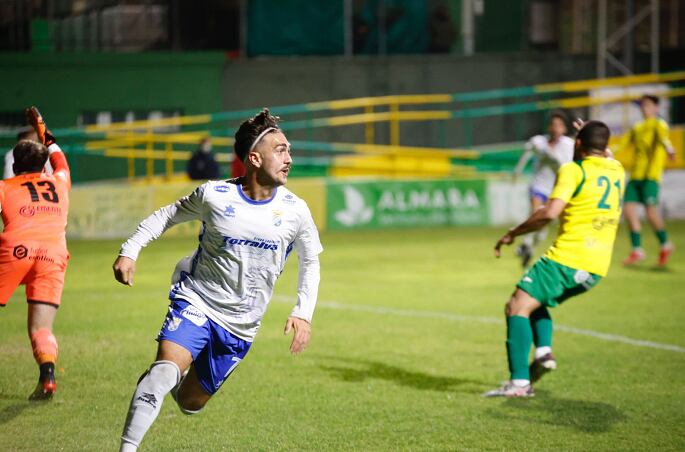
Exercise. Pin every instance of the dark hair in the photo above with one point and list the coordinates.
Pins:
(29, 157)
(251, 129)
(651, 97)
(594, 135)
(25, 134)
(559, 114)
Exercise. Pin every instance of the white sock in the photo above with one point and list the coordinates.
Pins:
(147, 401)
(542, 351)
(520, 383)
(127, 447)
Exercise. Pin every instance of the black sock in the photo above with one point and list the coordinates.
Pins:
(47, 370)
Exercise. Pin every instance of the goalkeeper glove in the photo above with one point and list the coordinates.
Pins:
(34, 118)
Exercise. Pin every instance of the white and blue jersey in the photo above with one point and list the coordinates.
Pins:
(244, 245)
(548, 159)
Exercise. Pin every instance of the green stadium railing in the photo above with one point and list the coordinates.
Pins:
(164, 144)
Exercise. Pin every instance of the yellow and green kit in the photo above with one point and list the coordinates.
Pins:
(592, 189)
(650, 142)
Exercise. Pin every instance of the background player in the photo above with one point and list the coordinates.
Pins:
(33, 247)
(26, 134)
(221, 292)
(551, 151)
(650, 141)
(587, 196)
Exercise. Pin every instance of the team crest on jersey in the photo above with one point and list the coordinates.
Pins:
(229, 211)
(173, 323)
(222, 188)
(278, 217)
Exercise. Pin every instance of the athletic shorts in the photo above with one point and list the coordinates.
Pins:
(643, 191)
(216, 352)
(551, 283)
(36, 266)
(534, 192)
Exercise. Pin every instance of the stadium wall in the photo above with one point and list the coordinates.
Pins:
(65, 85)
(308, 79)
(112, 211)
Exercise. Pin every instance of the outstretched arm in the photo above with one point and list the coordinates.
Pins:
(185, 209)
(528, 152)
(538, 219)
(58, 161)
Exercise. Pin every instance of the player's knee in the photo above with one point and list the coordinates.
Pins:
(162, 376)
(652, 213)
(517, 307)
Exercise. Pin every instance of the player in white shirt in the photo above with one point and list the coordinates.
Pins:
(220, 293)
(550, 152)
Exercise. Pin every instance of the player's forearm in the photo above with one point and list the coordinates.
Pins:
(309, 276)
(57, 159)
(538, 220)
(523, 161)
(148, 230)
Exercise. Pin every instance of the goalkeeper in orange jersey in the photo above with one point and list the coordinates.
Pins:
(650, 141)
(33, 248)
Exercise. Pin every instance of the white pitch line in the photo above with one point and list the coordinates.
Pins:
(480, 319)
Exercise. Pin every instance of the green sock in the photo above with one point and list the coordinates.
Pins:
(635, 239)
(662, 236)
(519, 340)
(541, 322)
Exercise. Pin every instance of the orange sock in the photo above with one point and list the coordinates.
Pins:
(44, 346)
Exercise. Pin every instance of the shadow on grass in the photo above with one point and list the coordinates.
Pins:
(652, 268)
(582, 415)
(660, 269)
(11, 411)
(365, 370)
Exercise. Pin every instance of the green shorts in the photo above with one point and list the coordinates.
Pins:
(643, 191)
(551, 283)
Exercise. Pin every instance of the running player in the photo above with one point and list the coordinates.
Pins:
(220, 293)
(587, 198)
(551, 151)
(651, 143)
(33, 247)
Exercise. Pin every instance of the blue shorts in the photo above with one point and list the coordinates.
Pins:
(535, 193)
(216, 352)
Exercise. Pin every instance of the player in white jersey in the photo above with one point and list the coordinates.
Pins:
(551, 151)
(220, 293)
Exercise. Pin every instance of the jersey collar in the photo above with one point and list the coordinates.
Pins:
(249, 200)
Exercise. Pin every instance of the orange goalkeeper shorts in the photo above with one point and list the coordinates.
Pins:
(38, 266)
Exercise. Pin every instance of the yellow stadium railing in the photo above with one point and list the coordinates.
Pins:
(170, 139)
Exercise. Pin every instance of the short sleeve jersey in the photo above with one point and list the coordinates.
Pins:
(592, 189)
(649, 139)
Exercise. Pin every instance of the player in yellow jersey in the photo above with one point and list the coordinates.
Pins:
(651, 144)
(587, 199)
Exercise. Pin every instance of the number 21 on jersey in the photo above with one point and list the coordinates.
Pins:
(605, 182)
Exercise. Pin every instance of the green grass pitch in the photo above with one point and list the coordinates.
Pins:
(407, 335)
